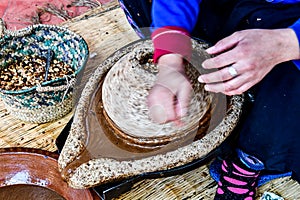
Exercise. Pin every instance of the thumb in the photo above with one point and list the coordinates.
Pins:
(183, 101)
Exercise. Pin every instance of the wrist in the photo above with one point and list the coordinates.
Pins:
(292, 44)
(171, 62)
(296, 28)
(295, 43)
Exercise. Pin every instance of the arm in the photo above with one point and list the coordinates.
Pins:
(175, 13)
(173, 20)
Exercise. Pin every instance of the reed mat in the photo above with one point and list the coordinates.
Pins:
(197, 184)
(16, 133)
(106, 30)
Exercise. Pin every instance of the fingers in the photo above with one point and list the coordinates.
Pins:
(224, 44)
(157, 113)
(165, 106)
(223, 74)
(241, 62)
(225, 51)
(234, 74)
(221, 60)
(161, 105)
(183, 100)
(234, 86)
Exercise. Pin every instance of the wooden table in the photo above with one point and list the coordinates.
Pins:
(106, 30)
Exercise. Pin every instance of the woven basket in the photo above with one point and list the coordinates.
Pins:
(52, 99)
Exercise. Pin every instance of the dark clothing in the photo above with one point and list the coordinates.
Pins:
(270, 129)
(220, 18)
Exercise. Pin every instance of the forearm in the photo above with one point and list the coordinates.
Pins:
(173, 22)
(172, 40)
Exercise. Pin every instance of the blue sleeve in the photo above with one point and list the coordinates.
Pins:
(296, 28)
(284, 1)
(179, 13)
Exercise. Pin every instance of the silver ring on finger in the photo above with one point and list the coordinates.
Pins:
(232, 71)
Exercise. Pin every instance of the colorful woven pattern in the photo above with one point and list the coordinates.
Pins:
(45, 101)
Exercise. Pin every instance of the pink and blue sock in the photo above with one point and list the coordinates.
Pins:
(237, 181)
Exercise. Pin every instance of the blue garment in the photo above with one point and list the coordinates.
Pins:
(283, 1)
(296, 28)
(184, 14)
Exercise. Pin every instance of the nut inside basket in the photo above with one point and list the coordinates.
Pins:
(30, 71)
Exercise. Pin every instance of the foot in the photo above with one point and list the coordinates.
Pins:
(237, 181)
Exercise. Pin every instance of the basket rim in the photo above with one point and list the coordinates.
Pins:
(30, 29)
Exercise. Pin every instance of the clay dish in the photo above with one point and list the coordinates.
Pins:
(33, 174)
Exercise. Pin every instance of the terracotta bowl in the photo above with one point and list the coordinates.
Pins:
(33, 174)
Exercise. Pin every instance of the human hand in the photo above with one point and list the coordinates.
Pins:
(169, 97)
(251, 54)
